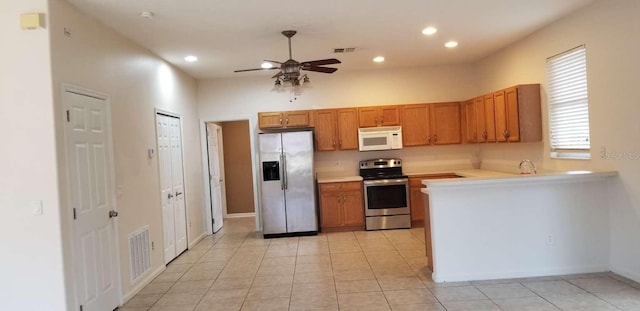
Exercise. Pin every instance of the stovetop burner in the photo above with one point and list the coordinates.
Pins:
(381, 169)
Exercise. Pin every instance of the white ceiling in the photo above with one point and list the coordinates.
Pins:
(238, 34)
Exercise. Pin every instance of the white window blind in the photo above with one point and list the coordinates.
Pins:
(568, 101)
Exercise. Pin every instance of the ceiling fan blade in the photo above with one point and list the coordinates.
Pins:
(256, 69)
(321, 62)
(272, 61)
(320, 69)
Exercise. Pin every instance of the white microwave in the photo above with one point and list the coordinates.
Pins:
(380, 138)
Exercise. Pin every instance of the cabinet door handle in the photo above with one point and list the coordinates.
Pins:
(287, 121)
(280, 121)
(429, 140)
(338, 199)
(381, 119)
(505, 133)
(334, 143)
(376, 119)
(435, 138)
(340, 143)
(484, 135)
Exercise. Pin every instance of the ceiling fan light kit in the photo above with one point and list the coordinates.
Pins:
(290, 69)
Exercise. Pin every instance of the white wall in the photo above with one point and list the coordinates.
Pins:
(607, 28)
(31, 264)
(503, 231)
(137, 82)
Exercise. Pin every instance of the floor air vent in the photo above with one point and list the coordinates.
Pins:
(139, 254)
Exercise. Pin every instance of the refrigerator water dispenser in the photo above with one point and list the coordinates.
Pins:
(270, 170)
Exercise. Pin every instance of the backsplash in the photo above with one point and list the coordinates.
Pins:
(503, 157)
(415, 159)
(506, 157)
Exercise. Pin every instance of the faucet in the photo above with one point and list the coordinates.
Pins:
(526, 165)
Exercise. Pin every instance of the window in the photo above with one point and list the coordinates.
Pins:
(568, 104)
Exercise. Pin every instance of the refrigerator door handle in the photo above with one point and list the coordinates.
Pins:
(284, 171)
(281, 172)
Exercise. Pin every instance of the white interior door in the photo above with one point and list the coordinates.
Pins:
(171, 186)
(89, 162)
(214, 132)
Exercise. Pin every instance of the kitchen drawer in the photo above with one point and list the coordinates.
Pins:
(341, 186)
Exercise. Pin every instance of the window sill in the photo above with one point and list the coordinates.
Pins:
(575, 155)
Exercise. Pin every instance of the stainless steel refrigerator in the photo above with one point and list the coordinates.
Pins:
(287, 184)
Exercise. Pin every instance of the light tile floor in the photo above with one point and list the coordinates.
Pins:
(236, 269)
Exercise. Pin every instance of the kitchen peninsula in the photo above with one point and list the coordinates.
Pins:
(494, 225)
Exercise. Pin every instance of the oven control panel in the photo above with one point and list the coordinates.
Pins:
(380, 163)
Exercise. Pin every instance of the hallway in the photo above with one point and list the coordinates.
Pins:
(236, 269)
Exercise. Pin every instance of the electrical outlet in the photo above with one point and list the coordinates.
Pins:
(550, 239)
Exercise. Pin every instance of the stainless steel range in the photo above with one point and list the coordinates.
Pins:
(386, 194)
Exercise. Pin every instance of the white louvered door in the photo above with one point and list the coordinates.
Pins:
(89, 161)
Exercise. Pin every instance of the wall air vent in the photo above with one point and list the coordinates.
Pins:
(344, 50)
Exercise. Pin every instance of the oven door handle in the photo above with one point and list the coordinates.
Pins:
(399, 181)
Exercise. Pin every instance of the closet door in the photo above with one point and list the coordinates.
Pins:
(171, 186)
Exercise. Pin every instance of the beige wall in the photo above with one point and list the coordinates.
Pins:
(607, 28)
(31, 264)
(243, 97)
(137, 82)
(237, 167)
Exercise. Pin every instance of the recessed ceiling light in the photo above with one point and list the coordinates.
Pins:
(379, 59)
(451, 44)
(146, 14)
(429, 31)
(191, 58)
(266, 65)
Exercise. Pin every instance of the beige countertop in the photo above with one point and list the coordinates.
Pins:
(486, 177)
(322, 180)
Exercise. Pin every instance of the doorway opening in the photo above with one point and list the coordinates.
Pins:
(231, 171)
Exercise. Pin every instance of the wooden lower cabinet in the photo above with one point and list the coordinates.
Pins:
(420, 208)
(341, 206)
(418, 215)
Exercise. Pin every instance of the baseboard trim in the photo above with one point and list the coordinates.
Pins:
(136, 289)
(241, 215)
(627, 274)
(198, 239)
(439, 278)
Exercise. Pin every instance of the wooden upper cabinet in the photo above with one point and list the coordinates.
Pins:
(445, 124)
(481, 124)
(336, 129)
(431, 124)
(379, 116)
(325, 130)
(270, 119)
(517, 114)
(415, 125)
(489, 118)
(471, 133)
(347, 126)
(285, 119)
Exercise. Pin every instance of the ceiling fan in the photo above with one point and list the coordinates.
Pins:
(290, 69)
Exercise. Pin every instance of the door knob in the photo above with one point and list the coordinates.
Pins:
(113, 213)
(169, 196)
